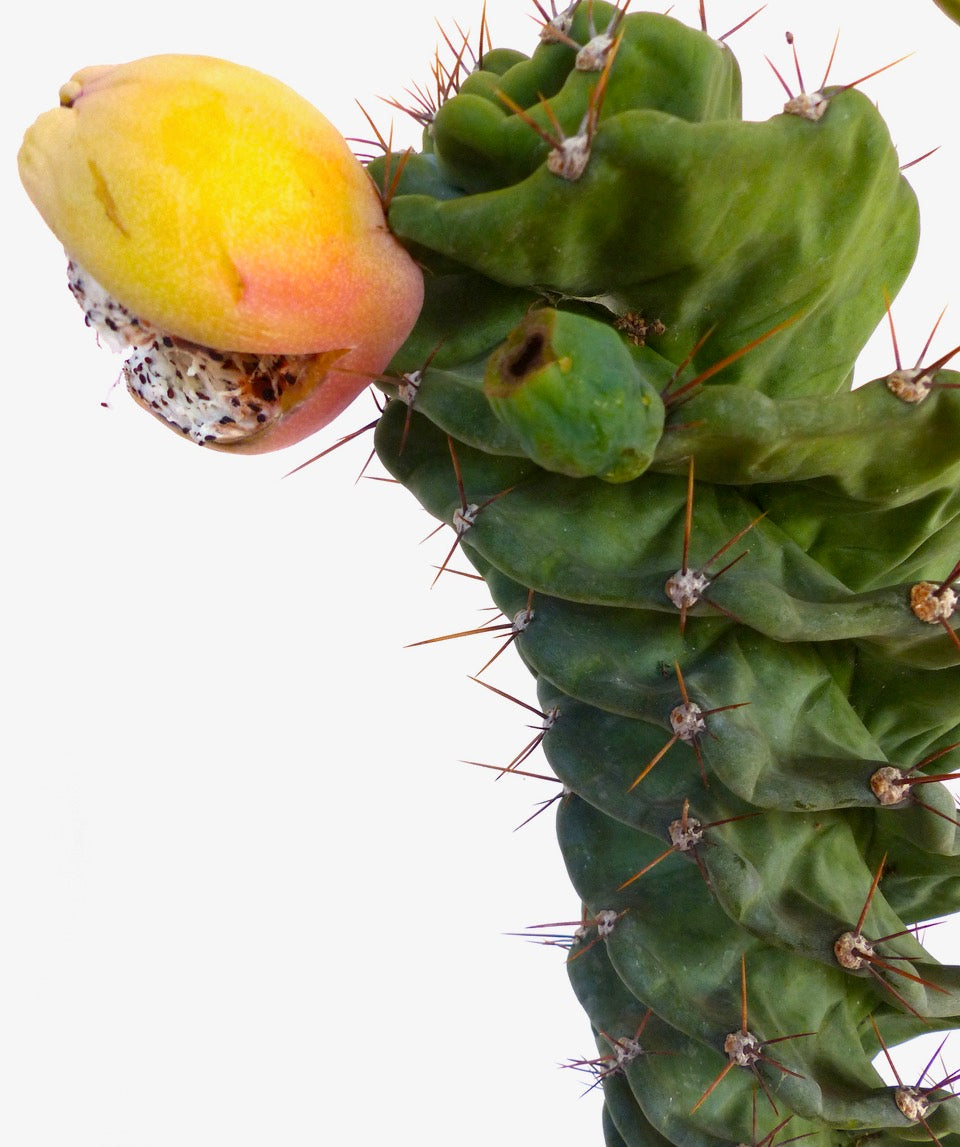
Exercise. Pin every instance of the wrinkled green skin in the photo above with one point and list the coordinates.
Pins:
(688, 215)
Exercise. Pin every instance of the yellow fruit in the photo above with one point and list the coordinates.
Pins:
(219, 208)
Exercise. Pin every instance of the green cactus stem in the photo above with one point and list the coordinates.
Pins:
(731, 575)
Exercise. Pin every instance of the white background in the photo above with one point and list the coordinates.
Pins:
(248, 895)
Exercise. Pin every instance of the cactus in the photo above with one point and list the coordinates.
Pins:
(732, 576)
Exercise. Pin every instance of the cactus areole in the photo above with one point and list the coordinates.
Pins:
(733, 577)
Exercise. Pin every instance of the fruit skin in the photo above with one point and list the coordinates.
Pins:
(224, 209)
(806, 654)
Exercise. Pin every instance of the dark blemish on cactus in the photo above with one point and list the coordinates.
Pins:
(529, 358)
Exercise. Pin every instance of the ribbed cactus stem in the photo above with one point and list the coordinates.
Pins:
(731, 576)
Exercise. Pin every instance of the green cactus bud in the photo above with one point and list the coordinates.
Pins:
(571, 392)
